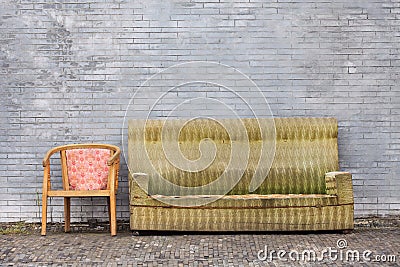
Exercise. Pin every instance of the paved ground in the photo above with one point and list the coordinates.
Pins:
(180, 249)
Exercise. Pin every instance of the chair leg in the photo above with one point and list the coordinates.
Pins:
(44, 214)
(109, 209)
(113, 215)
(67, 214)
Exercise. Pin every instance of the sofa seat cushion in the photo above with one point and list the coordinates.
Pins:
(244, 201)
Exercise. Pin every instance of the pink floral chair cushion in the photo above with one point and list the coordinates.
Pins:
(87, 168)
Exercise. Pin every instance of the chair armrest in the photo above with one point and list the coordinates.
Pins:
(110, 161)
(340, 184)
(114, 158)
(46, 159)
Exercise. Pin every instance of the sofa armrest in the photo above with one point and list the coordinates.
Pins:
(340, 184)
(138, 185)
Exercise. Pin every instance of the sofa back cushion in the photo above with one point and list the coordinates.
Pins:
(306, 149)
(181, 155)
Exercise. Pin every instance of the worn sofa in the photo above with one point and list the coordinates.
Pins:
(302, 188)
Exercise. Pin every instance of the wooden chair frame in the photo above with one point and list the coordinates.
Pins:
(110, 192)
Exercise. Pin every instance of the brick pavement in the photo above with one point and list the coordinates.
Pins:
(195, 249)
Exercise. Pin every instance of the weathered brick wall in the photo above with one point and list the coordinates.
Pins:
(69, 68)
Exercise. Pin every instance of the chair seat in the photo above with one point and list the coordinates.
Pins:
(249, 200)
(78, 193)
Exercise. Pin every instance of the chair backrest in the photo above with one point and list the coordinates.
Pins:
(87, 168)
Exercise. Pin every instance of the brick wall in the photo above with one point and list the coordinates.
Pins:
(68, 70)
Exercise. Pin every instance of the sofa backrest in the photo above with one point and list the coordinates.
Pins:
(304, 150)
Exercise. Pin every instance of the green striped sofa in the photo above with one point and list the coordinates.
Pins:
(296, 158)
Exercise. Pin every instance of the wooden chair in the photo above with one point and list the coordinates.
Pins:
(88, 170)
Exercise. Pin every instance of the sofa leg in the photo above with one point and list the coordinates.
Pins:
(347, 231)
(135, 233)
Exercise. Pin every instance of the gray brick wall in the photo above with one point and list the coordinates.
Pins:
(69, 68)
